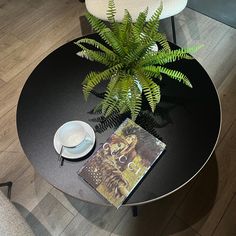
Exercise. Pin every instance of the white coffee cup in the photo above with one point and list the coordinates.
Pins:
(72, 134)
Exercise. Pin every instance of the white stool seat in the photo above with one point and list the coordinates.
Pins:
(170, 7)
(11, 221)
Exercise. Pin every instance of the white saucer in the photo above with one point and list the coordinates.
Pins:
(76, 152)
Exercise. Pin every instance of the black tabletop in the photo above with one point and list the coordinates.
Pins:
(187, 120)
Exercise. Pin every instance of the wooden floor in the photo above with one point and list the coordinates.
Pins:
(30, 30)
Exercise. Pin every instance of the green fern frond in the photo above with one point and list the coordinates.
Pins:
(123, 108)
(152, 71)
(92, 55)
(110, 106)
(100, 27)
(135, 101)
(83, 54)
(110, 54)
(163, 57)
(149, 58)
(125, 27)
(111, 12)
(116, 92)
(130, 96)
(153, 24)
(97, 24)
(176, 75)
(94, 78)
(140, 23)
(109, 37)
(110, 98)
(150, 89)
(172, 56)
(137, 53)
(162, 40)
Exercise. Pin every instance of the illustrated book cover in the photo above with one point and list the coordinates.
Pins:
(121, 162)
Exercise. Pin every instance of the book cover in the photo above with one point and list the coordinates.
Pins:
(121, 162)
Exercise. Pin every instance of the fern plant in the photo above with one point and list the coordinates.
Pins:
(133, 68)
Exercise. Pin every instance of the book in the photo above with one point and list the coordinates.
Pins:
(121, 162)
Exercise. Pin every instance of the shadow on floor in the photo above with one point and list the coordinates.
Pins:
(155, 218)
(32, 221)
(200, 199)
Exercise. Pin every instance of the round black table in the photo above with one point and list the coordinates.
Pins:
(188, 122)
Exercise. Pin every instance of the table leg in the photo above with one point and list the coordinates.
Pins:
(9, 185)
(173, 29)
(135, 211)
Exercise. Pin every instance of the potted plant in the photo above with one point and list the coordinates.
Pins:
(134, 65)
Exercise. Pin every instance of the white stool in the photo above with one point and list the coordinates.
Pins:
(98, 8)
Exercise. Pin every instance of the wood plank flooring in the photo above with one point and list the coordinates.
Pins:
(29, 31)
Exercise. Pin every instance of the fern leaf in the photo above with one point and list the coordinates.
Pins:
(110, 106)
(135, 101)
(110, 38)
(111, 18)
(176, 75)
(140, 23)
(109, 53)
(172, 56)
(111, 98)
(125, 28)
(94, 55)
(162, 40)
(152, 71)
(111, 11)
(97, 24)
(149, 58)
(137, 53)
(153, 24)
(151, 90)
(83, 54)
(130, 96)
(94, 78)
(123, 107)
(162, 57)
